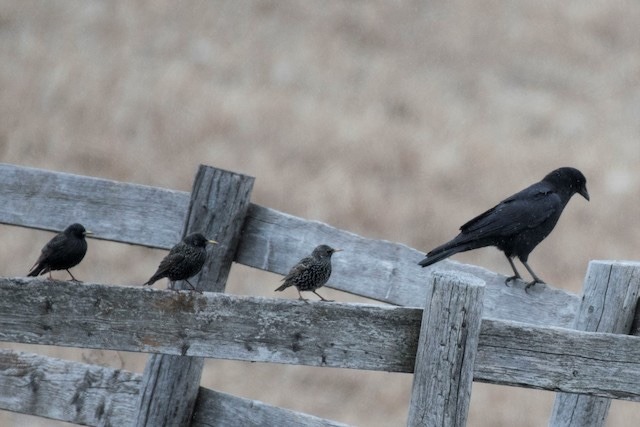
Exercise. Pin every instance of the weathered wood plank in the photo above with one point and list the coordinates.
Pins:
(216, 409)
(99, 396)
(447, 346)
(611, 292)
(219, 202)
(113, 210)
(357, 336)
(67, 391)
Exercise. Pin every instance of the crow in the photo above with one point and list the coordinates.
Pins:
(519, 223)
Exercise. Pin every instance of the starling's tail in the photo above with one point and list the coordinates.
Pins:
(284, 286)
(36, 270)
(151, 281)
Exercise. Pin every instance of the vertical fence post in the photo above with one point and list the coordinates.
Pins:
(608, 305)
(219, 202)
(447, 347)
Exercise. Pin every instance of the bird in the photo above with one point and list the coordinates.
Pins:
(519, 223)
(64, 251)
(311, 272)
(183, 261)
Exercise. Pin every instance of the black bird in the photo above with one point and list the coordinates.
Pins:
(184, 260)
(517, 224)
(63, 252)
(311, 272)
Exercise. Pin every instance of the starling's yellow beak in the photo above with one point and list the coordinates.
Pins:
(213, 242)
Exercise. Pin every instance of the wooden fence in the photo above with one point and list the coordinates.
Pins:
(449, 325)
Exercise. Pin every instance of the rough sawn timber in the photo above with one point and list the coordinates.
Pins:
(99, 396)
(609, 304)
(219, 202)
(447, 346)
(358, 336)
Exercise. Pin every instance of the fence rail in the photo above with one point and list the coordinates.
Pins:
(479, 329)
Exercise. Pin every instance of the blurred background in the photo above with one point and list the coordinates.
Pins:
(394, 120)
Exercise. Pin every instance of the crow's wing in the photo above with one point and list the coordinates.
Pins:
(526, 209)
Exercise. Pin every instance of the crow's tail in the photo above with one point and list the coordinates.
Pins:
(448, 249)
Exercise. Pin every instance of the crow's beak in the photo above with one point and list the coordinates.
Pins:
(584, 193)
(213, 242)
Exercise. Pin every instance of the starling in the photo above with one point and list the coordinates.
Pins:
(311, 272)
(184, 260)
(63, 252)
(519, 223)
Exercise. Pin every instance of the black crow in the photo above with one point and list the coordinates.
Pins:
(517, 224)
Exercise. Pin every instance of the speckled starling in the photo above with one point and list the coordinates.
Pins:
(63, 252)
(311, 272)
(184, 260)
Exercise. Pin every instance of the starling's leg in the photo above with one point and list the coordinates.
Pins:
(193, 288)
(72, 278)
(302, 299)
(327, 300)
(172, 286)
(515, 276)
(535, 280)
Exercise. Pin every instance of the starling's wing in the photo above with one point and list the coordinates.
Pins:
(171, 262)
(53, 250)
(297, 269)
(527, 209)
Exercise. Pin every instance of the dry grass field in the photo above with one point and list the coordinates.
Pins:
(395, 120)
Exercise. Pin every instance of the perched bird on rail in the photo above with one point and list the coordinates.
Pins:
(517, 224)
(183, 261)
(311, 272)
(63, 252)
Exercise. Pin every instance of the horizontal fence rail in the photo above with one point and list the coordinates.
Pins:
(356, 336)
(44, 386)
(271, 240)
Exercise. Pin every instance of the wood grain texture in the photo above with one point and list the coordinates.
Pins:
(113, 210)
(356, 336)
(219, 202)
(99, 396)
(271, 240)
(609, 303)
(447, 347)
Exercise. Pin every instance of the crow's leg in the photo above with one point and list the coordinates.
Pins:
(535, 280)
(516, 275)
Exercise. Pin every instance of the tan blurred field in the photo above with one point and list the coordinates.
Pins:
(395, 120)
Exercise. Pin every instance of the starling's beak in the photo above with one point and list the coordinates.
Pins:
(213, 242)
(87, 232)
(338, 250)
(584, 193)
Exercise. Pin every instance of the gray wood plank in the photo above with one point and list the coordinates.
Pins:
(271, 240)
(216, 409)
(113, 210)
(219, 202)
(100, 396)
(609, 303)
(358, 336)
(447, 346)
